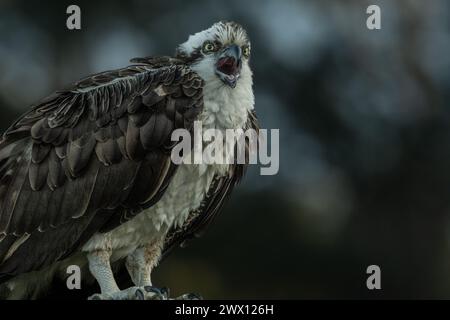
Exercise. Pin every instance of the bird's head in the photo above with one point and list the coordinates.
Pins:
(220, 52)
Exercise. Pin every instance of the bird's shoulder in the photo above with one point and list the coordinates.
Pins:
(158, 61)
(147, 70)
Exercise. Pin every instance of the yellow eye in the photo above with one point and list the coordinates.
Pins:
(246, 51)
(208, 47)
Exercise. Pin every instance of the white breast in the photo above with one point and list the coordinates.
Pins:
(184, 194)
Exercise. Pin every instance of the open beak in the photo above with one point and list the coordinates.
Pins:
(229, 64)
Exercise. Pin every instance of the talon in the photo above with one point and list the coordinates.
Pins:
(190, 296)
(193, 296)
(153, 290)
(139, 294)
(165, 292)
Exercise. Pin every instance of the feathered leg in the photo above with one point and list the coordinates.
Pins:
(100, 267)
(142, 261)
(140, 265)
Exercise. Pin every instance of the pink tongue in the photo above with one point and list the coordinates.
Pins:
(227, 65)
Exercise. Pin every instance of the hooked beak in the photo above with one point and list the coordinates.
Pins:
(229, 64)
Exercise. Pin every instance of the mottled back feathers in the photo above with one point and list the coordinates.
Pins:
(94, 154)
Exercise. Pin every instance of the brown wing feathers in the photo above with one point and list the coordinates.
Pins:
(102, 144)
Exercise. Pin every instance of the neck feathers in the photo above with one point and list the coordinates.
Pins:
(225, 107)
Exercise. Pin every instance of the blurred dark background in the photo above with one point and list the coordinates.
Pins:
(364, 136)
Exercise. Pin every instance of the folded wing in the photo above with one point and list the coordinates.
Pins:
(89, 158)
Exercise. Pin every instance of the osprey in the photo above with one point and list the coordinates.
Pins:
(86, 176)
